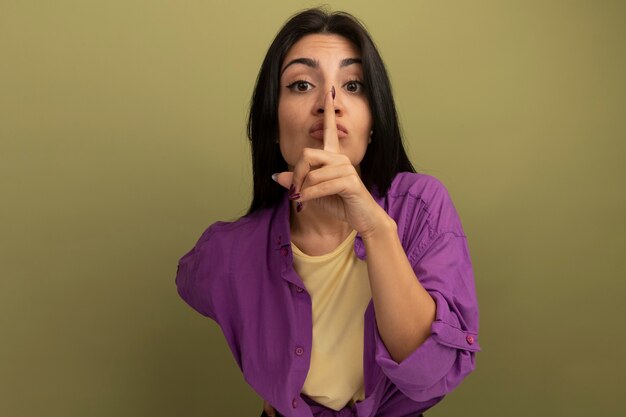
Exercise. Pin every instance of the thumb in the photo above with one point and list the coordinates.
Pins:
(285, 179)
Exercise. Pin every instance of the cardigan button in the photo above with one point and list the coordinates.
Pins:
(299, 351)
(298, 289)
(470, 339)
(294, 403)
(284, 251)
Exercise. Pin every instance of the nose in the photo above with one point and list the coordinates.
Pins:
(319, 105)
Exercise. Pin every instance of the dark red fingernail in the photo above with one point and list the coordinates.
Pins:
(333, 92)
(298, 206)
(294, 196)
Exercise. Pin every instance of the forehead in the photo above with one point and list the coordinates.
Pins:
(322, 45)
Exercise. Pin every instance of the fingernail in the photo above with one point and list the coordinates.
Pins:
(298, 207)
(294, 196)
(333, 92)
(275, 177)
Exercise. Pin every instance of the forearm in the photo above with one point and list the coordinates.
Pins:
(404, 309)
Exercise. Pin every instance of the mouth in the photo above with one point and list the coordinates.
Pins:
(317, 130)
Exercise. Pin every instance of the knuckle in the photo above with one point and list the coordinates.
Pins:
(307, 153)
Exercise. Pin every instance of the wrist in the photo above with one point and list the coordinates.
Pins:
(382, 227)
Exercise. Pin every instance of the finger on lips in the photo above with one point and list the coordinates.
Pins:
(313, 157)
(331, 140)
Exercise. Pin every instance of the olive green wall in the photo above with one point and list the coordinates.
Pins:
(122, 136)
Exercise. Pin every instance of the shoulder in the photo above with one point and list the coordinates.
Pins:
(226, 231)
(416, 184)
(425, 197)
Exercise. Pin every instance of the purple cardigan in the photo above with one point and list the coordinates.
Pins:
(241, 275)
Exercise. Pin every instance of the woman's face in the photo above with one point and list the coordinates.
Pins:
(311, 68)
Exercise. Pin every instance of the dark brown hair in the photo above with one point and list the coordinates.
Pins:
(385, 155)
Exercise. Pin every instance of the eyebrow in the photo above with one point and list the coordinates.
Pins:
(315, 64)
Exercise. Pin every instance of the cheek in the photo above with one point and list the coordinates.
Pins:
(281, 116)
(286, 117)
(287, 129)
(365, 126)
(365, 120)
(291, 124)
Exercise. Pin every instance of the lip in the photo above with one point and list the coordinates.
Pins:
(317, 130)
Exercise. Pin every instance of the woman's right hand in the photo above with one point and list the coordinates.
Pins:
(269, 410)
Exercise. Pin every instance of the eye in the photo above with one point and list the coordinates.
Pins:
(300, 86)
(354, 86)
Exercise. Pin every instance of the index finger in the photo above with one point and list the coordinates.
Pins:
(331, 140)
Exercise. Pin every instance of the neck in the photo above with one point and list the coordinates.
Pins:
(315, 221)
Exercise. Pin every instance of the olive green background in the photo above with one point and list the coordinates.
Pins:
(122, 136)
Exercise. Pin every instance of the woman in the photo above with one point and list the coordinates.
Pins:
(347, 289)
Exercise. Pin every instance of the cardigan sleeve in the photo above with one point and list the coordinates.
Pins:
(199, 277)
(441, 262)
(203, 282)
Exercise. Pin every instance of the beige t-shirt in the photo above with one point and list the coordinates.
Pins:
(339, 287)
